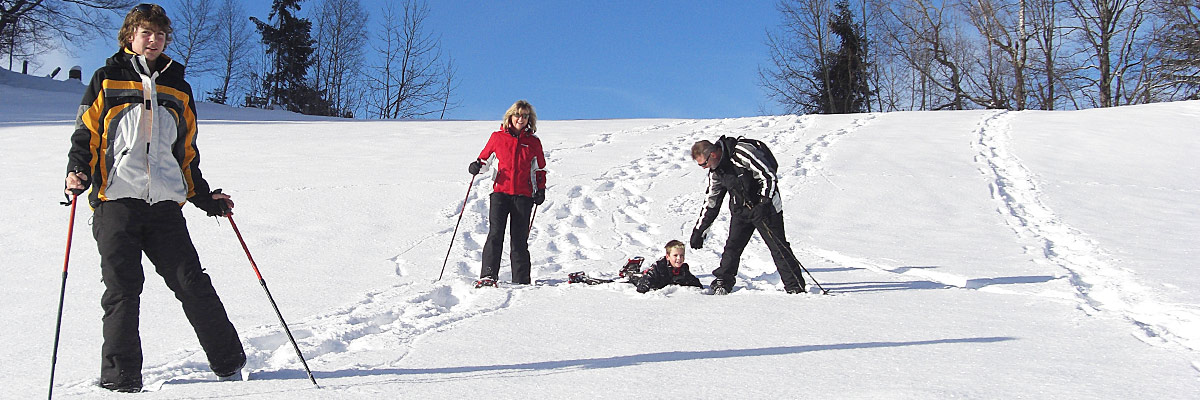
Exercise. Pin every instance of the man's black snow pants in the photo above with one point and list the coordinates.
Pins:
(741, 228)
(126, 228)
(516, 211)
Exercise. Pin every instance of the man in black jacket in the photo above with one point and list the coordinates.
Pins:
(746, 170)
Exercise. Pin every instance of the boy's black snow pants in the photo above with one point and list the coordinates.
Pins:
(516, 211)
(741, 228)
(126, 228)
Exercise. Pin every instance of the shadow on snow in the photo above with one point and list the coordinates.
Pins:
(465, 372)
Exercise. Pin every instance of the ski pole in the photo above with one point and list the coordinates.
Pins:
(781, 244)
(531, 216)
(263, 282)
(452, 235)
(62, 294)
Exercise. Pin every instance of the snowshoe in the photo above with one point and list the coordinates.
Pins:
(127, 387)
(719, 288)
(581, 277)
(485, 282)
(632, 269)
(235, 376)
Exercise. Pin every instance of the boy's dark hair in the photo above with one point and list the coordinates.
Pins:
(144, 14)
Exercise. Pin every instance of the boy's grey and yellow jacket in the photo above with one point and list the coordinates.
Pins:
(135, 134)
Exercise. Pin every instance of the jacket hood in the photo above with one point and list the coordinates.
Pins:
(727, 145)
(165, 64)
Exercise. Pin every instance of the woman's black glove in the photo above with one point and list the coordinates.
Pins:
(474, 167)
(539, 197)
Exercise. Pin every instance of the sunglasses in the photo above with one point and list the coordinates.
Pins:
(145, 8)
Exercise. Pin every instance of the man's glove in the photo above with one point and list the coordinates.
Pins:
(212, 207)
(697, 239)
(539, 197)
(474, 167)
(762, 212)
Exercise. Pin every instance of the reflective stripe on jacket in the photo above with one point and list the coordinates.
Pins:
(744, 174)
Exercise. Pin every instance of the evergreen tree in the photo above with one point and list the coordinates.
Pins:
(842, 85)
(290, 46)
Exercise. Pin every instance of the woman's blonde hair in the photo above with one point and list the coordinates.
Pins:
(144, 15)
(521, 106)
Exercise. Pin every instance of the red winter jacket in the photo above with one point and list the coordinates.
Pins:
(519, 160)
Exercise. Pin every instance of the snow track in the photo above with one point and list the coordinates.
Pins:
(375, 332)
(1102, 286)
(596, 225)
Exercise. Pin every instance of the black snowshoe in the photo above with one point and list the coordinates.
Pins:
(793, 290)
(719, 288)
(581, 277)
(485, 282)
(125, 387)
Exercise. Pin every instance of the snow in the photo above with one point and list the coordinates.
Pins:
(972, 254)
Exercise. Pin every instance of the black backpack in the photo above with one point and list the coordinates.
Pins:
(768, 158)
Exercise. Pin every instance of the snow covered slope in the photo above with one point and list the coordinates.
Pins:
(979, 254)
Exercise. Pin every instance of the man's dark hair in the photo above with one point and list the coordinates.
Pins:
(702, 147)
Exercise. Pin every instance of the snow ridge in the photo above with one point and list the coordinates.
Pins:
(1102, 287)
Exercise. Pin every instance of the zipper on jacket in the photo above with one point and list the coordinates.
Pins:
(516, 162)
(149, 141)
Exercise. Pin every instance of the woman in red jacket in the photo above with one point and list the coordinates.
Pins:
(520, 182)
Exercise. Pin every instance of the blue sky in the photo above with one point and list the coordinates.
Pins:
(586, 60)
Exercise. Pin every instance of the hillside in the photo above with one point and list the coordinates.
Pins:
(977, 254)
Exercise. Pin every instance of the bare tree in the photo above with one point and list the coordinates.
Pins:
(925, 35)
(31, 27)
(259, 65)
(1179, 37)
(195, 36)
(410, 82)
(1114, 34)
(232, 49)
(449, 85)
(20, 42)
(1002, 23)
(1046, 83)
(340, 26)
(1016, 54)
(879, 72)
(796, 52)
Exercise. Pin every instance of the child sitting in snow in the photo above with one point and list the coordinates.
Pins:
(669, 270)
